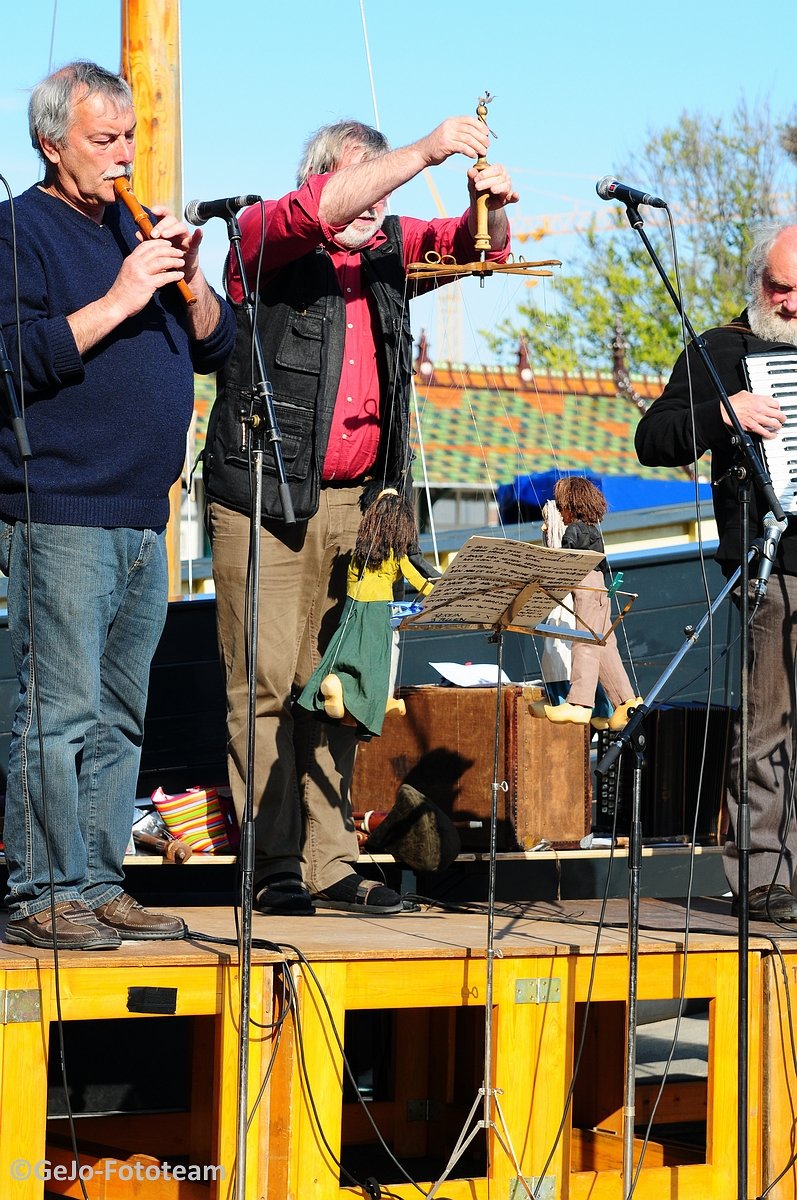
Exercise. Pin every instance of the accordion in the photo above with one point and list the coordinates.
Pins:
(775, 375)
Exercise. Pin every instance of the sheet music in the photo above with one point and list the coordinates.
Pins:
(775, 374)
(489, 574)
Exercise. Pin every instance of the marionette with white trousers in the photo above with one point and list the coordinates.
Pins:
(582, 506)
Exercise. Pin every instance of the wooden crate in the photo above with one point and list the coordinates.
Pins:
(544, 976)
(445, 747)
(153, 980)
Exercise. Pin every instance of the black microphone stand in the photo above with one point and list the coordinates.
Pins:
(15, 413)
(259, 427)
(633, 735)
(748, 469)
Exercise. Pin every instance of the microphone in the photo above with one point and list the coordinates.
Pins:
(768, 549)
(197, 212)
(15, 413)
(609, 189)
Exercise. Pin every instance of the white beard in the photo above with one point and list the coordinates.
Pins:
(768, 324)
(354, 239)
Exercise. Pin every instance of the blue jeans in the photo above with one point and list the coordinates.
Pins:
(99, 606)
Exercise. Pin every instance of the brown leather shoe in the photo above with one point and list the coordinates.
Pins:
(131, 921)
(76, 928)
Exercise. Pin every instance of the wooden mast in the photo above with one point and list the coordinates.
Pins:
(151, 65)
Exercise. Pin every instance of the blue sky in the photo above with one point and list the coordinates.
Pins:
(578, 87)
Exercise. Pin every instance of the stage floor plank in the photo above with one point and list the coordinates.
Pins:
(521, 930)
(425, 968)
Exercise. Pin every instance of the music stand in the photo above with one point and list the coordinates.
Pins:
(496, 584)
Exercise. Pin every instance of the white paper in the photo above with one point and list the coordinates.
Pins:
(470, 674)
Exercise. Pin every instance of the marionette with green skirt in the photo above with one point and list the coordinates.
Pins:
(354, 681)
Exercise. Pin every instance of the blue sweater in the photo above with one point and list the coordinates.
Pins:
(107, 430)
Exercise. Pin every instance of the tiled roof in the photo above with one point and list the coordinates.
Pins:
(482, 426)
(204, 395)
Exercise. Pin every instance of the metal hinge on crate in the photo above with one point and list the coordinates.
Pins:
(538, 991)
(424, 1110)
(541, 1187)
(20, 1006)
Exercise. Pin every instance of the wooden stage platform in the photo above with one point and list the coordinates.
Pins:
(405, 997)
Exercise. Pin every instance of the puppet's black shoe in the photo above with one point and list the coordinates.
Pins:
(775, 903)
(358, 895)
(283, 895)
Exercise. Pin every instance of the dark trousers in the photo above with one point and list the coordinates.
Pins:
(773, 645)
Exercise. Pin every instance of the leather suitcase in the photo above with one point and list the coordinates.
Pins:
(445, 747)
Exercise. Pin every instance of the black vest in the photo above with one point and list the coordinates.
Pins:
(301, 320)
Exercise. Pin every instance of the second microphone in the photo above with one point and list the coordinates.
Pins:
(197, 212)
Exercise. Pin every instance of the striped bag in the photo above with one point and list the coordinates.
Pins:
(200, 817)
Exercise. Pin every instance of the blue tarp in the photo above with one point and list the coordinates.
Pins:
(523, 499)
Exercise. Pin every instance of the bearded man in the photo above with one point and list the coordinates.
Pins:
(333, 321)
(671, 433)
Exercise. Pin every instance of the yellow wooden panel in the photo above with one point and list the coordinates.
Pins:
(532, 1061)
(92, 993)
(23, 1092)
(659, 976)
(712, 975)
(756, 1058)
(415, 983)
(317, 1116)
(683, 1183)
(283, 1100)
(779, 1083)
(227, 1082)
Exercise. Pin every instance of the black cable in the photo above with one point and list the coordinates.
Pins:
(33, 686)
(278, 1028)
(599, 926)
(587, 1004)
(351, 1180)
(790, 1021)
(305, 963)
(690, 884)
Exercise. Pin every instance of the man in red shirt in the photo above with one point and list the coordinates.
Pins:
(333, 321)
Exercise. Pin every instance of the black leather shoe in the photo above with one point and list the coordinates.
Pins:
(355, 894)
(775, 903)
(76, 928)
(132, 922)
(284, 896)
